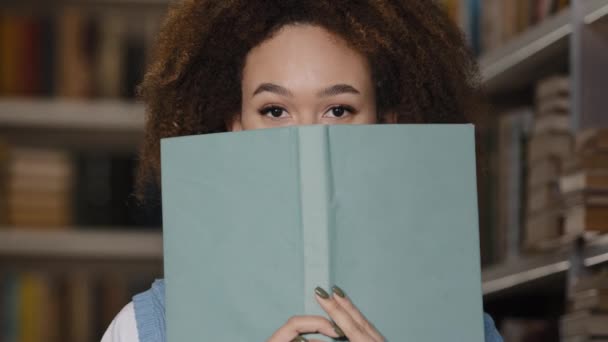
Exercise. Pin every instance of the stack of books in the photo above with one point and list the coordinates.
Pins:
(584, 185)
(39, 188)
(526, 329)
(550, 145)
(587, 317)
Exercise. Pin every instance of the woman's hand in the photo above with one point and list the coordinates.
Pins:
(347, 317)
(349, 321)
(297, 325)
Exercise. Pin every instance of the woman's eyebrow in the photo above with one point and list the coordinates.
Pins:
(273, 88)
(329, 91)
(337, 89)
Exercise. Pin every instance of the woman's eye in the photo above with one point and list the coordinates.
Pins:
(273, 112)
(340, 111)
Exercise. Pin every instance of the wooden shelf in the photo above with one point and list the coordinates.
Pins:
(104, 115)
(109, 125)
(81, 243)
(597, 12)
(527, 270)
(514, 63)
(536, 51)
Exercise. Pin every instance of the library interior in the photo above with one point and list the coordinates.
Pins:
(76, 244)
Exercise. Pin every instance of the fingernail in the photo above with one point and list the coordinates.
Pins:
(322, 293)
(338, 291)
(337, 329)
(299, 339)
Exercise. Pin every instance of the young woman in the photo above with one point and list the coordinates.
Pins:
(234, 65)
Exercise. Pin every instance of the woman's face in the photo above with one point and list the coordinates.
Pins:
(305, 75)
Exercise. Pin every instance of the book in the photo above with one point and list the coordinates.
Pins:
(103, 185)
(584, 323)
(592, 299)
(598, 281)
(549, 145)
(516, 330)
(582, 218)
(547, 124)
(543, 197)
(4, 161)
(586, 198)
(74, 63)
(9, 38)
(541, 228)
(596, 180)
(512, 129)
(553, 106)
(594, 139)
(557, 86)
(79, 306)
(253, 221)
(585, 161)
(491, 25)
(31, 68)
(543, 171)
(110, 66)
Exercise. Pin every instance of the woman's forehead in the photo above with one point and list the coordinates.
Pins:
(304, 55)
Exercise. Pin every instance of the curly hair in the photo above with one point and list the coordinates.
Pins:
(421, 67)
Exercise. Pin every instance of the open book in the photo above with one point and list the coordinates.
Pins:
(255, 220)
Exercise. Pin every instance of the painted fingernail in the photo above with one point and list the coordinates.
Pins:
(338, 291)
(322, 293)
(337, 329)
(299, 339)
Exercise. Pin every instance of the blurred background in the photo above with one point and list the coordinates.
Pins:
(75, 245)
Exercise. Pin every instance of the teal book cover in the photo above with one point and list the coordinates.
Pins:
(253, 221)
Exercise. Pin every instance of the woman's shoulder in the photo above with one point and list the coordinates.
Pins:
(146, 311)
(123, 328)
(492, 335)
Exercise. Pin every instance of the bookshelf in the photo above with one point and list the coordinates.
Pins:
(524, 58)
(77, 115)
(529, 288)
(82, 243)
(111, 125)
(536, 269)
(120, 123)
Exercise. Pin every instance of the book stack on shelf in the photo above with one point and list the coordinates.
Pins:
(584, 185)
(39, 189)
(550, 145)
(59, 188)
(488, 24)
(74, 52)
(587, 317)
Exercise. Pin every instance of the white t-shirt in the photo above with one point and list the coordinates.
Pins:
(123, 328)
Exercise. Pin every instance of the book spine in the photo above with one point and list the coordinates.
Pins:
(313, 146)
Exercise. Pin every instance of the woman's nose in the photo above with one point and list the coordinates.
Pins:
(308, 118)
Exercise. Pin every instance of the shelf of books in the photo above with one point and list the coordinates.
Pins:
(527, 270)
(531, 54)
(73, 236)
